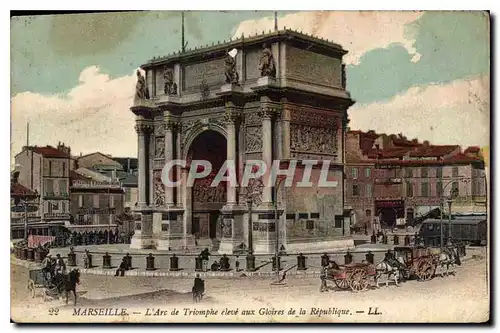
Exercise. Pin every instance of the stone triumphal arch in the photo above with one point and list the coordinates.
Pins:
(281, 96)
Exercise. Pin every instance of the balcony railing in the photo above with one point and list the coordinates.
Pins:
(54, 195)
(56, 216)
(95, 184)
(392, 180)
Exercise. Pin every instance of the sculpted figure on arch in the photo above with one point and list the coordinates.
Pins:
(267, 66)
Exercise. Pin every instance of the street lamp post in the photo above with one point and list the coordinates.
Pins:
(276, 226)
(449, 200)
(250, 226)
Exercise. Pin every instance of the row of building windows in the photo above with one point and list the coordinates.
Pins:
(63, 169)
(425, 190)
(368, 173)
(424, 172)
(49, 187)
(97, 200)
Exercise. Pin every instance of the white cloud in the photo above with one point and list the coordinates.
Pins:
(94, 116)
(453, 113)
(357, 31)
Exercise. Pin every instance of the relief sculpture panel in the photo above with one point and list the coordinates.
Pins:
(159, 189)
(309, 139)
(253, 139)
(160, 147)
(211, 71)
(313, 67)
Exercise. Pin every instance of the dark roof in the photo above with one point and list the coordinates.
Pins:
(76, 176)
(18, 190)
(124, 161)
(472, 149)
(433, 151)
(127, 179)
(49, 151)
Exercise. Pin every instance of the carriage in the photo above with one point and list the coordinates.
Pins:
(37, 280)
(421, 262)
(353, 276)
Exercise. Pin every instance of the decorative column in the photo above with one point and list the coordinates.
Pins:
(143, 130)
(266, 113)
(169, 156)
(231, 221)
(264, 228)
(231, 118)
(285, 130)
(143, 235)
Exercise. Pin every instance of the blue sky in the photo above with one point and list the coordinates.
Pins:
(399, 64)
(49, 52)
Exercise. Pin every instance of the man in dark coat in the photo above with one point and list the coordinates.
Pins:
(199, 284)
(123, 267)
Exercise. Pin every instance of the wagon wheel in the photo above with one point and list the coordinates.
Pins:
(425, 270)
(341, 283)
(31, 288)
(358, 280)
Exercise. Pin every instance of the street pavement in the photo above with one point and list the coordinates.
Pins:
(463, 297)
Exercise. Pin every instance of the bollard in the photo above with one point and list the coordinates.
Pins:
(396, 240)
(106, 261)
(71, 257)
(369, 257)
(407, 240)
(301, 262)
(150, 262)
(30, 255)
(174, 263)
(274, 263)
(384, 239)
(38, 257)
(373, 238)
(198, 264)
(347, 258)
(250, 263)
(16, 252)
(24, 253)
(128, 260)
(224, 263)
(325, 260)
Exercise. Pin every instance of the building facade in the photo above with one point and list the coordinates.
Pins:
(411, 178)
(25, 214)
(46, 170)
(281, 96)
(95, 202)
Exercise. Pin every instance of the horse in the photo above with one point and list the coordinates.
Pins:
(449, 257)
(392, 268)
(67, 282)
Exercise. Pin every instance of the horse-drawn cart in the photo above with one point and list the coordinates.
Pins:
(352, 276)
(419, 261)
(37, 279)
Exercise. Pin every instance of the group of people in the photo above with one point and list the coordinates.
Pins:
(53, 267)
(216, 265)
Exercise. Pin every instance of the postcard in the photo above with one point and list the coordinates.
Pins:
(250, 166)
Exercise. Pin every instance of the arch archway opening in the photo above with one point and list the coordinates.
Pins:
(206, 201)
